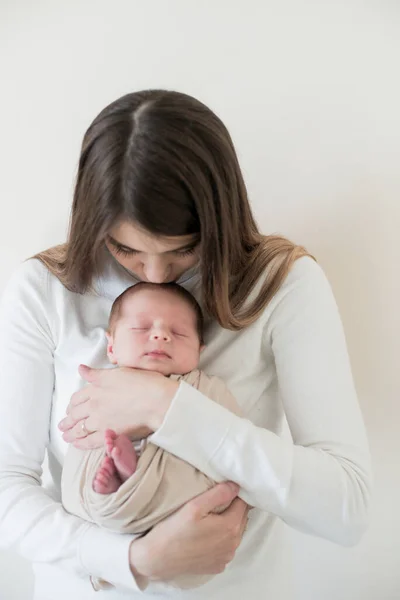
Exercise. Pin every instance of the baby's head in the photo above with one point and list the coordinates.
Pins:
(157, 327)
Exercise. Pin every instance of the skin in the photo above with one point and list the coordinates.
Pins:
(151, 258)
(193, 540)
(156, 331)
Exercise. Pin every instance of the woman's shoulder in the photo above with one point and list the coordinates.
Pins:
(30, 276)
(304, 271)
(304, 284)
(305, 290)
(24, 301)
(32, 285)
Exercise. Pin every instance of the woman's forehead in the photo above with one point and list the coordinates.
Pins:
(132, 236)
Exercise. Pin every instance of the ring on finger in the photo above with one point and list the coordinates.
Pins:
(84, 429)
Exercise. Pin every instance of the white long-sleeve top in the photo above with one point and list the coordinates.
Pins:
(291, 362)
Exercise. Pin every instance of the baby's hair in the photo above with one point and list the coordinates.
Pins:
(172, 288)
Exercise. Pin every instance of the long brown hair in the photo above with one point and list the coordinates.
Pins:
(165, 161)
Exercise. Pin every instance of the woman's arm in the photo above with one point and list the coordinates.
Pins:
(30, 521)
(321, 482)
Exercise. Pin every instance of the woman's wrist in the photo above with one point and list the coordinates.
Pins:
(167, 391)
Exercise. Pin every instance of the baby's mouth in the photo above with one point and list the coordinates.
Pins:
(157, 354)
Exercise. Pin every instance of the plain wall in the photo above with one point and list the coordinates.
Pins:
(310, 93)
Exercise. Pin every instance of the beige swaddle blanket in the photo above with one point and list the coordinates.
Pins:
(161, 484)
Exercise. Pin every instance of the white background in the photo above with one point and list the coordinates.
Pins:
(310, 92)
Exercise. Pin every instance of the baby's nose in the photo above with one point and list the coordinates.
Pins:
(160, 335)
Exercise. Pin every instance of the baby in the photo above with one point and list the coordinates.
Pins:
(157, 327)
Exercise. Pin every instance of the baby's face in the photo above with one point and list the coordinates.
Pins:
(156, 330)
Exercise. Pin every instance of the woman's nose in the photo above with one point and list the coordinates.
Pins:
(156, 272)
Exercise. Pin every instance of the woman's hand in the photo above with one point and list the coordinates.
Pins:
(193, 540)
(126, 400)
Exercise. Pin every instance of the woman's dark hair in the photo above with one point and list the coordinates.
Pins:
(164, 161)
(171, 288)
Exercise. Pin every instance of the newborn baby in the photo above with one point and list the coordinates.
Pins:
(157, 327)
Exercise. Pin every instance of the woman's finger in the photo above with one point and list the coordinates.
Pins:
(238, 509)
(91, 375)
(79, 428)
(94, 440)
(80, 412)
(76, 413)
(79, 397)
(244, 524)
(237, 513)
(221, 494)
(74, 433)
(244, 521)
(67, 423)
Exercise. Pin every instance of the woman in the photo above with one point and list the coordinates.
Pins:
(160, 197)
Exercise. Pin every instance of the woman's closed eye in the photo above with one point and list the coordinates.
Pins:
(124, 251)
(186, 252)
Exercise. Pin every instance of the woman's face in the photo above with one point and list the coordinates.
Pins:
(152, 258)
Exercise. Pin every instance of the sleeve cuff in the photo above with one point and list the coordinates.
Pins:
(186, 431)
(105, 555)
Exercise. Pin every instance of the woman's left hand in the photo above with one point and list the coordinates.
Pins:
(125, 400)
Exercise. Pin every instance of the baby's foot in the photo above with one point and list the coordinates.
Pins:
(122, 452)
(107, 479)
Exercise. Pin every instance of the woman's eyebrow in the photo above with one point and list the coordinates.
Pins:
(118, 244)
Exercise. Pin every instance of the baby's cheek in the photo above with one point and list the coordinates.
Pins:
(131, 351)
(190, 358)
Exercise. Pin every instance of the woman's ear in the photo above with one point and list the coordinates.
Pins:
(110, 348)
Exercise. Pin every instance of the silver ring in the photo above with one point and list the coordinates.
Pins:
(84, 429)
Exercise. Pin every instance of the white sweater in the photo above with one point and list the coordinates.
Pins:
(292, 362)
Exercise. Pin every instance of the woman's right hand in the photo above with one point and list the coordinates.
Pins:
(194, 540)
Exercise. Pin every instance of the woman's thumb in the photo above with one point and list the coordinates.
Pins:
(87, 373)
(221, 494)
